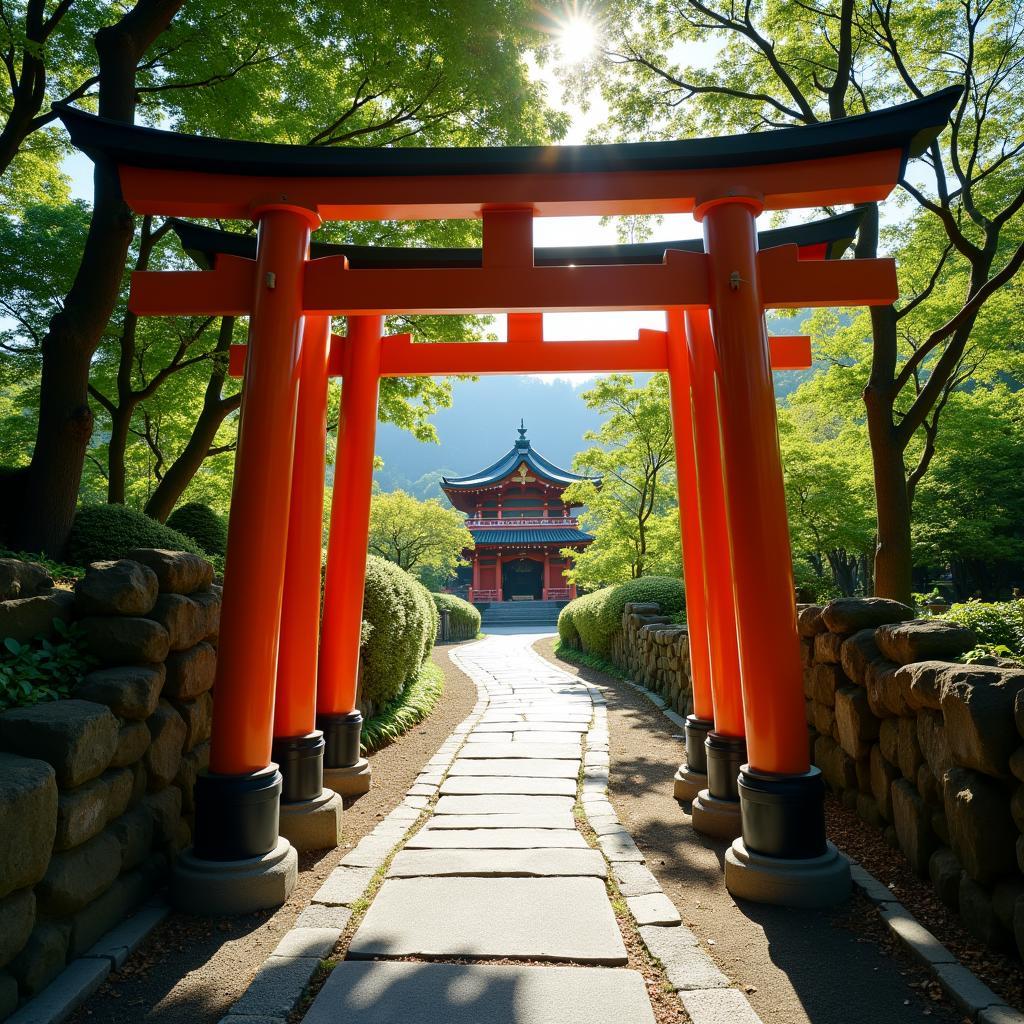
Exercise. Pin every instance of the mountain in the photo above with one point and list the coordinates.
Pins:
(481, 424)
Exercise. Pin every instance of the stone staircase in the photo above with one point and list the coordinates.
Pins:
(521, 613)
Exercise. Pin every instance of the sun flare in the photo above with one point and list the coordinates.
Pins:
(577, 39)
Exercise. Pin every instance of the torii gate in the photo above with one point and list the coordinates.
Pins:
(740, 600)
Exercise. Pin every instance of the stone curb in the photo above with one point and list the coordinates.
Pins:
(280, 982)
(705, 992)
(84, 975)
(966, 990)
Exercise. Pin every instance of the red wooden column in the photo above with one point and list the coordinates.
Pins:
(345, 771)
(716, 811)
(310, 816)
(237, 803)
(692, 776)
(782, 856)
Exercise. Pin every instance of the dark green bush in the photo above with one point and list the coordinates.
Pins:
(463, 618)
(996, 623)
(591, 621)
(203, 525)
(403, 624)
(102, 532)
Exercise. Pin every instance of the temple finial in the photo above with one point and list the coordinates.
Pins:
(522, 430)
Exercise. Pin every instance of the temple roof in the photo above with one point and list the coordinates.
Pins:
(833, 234)
(535, 535)
(520, 452)
(909, 128)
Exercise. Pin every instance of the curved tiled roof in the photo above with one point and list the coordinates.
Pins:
(538, 535)
(521, 451)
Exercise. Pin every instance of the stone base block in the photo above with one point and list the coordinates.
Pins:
(719, 819)
(313, 824)
(688, 783)
(234, 886)
(812, 882)
(353, 781)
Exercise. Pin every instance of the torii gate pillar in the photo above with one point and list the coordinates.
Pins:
(783, 855)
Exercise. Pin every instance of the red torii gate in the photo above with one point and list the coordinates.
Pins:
(716, 353)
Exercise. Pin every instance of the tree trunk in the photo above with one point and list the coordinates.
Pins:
(117, 446)
(215, 410)
(65, 420)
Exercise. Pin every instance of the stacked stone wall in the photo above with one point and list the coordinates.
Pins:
(96, 790)
(924, 748)
(654, 652)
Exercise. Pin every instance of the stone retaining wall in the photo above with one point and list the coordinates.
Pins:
(924, 748)
(655, 653)
(96, 790)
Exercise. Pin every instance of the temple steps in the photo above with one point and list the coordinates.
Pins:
(521, 613)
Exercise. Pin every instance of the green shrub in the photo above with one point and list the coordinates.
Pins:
(996, 623)
(203, 525)
(593, 619)
(42, 669)
(102, 532)
(403, 624)
(463, 618)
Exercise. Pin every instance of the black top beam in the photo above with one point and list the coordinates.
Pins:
(203, 244)
(909, 127)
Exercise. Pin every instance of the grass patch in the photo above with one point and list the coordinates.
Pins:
(587, 659)
(411, 706)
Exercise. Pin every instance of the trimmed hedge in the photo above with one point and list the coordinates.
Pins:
(203, 525)
(591, 621)
(411, 706)
(463, 618)
(403, 624)
(107, 532)
(996, 623)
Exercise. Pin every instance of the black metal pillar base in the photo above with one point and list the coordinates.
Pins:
(725, 756)
(341, 736)
(783, 815)
(696, 732)
(237, 816)
(301, 759)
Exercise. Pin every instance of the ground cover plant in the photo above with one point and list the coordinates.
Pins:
(42, 669)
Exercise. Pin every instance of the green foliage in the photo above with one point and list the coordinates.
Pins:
(463, 618)
(202, 524)
(593, 619)
(412, 705)
(42, 669)
(403, 622)
(996, 623)
(632, 513)
(102, 532)
(420, 536)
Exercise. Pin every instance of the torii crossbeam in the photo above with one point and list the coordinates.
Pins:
(752, 768)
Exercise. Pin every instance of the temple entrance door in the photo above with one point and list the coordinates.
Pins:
(522, 580)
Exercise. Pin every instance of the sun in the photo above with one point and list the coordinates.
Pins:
(576, 39)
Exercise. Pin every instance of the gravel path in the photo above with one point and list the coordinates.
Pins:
(191, 970)
(797, 967)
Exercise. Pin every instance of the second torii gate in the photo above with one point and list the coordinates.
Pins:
(716, 340)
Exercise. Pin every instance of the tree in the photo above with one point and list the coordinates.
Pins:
(778, 63)
(353, 75)
(423, 537)
(828, 496)
(633, 511)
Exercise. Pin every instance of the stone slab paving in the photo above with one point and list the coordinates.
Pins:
(509, 863)
(418, 993)
(497, 839)
(495, 868)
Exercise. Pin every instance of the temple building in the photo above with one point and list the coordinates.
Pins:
(520, 524)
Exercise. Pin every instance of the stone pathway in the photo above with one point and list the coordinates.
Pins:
(497, 871)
